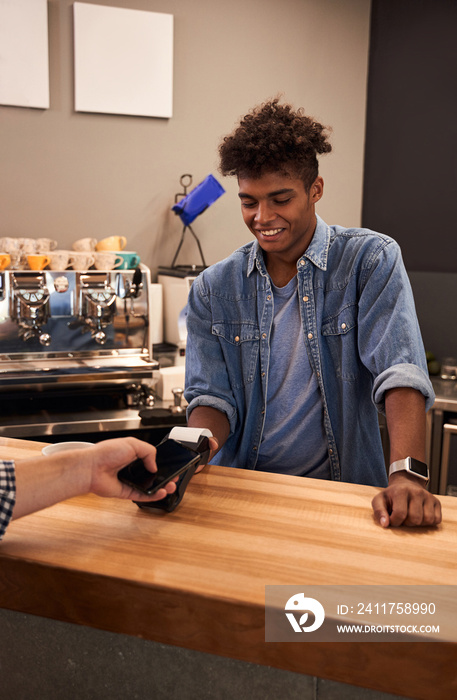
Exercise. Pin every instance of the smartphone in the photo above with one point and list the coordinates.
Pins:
(172, 459)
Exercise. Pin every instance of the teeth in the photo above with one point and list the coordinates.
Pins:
(271, 232)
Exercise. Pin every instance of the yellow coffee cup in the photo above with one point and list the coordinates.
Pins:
(112, 243)
(38, 262)
(5, 260)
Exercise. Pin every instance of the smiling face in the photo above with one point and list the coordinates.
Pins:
(281, 214)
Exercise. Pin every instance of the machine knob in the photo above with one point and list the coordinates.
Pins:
(100, 338)
(45, 339)
(149, 400)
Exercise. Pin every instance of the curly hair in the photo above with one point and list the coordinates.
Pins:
(274, 137)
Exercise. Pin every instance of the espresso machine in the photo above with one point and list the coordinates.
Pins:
(75, 351)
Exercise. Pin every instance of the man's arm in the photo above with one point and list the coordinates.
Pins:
(406, 501)
(216, 421)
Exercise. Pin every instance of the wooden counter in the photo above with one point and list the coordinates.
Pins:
(196, 578)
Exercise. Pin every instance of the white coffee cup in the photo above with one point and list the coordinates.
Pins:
(81, 261)
(65, 446)
(107, 261)
(60, 259)
(9, 245)
(44, 245)
(86, 244)
(27, 245)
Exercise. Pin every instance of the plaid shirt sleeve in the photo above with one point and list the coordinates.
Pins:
(7, 494)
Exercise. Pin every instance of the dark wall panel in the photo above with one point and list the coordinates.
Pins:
(410, 183)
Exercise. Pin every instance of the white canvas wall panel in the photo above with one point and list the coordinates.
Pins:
(24, 56)
(123, 61)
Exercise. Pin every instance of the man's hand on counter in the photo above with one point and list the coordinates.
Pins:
(406, 502)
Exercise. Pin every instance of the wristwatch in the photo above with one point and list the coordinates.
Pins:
(411, 465)
(195, 439)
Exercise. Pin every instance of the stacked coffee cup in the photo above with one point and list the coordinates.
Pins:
(88, 253)
(116, 244)
(25, 253)
(38, 253)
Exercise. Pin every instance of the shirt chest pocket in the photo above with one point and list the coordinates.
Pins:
(240, 345)
(340, 333)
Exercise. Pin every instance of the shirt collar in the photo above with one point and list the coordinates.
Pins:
(317, 251)
(256, 260)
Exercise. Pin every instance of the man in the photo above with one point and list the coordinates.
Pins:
(299, 337)
(39, 482)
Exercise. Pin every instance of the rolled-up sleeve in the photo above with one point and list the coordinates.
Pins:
(7, 494)
(402, 375)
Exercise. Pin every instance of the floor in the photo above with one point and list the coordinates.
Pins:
(60, 661)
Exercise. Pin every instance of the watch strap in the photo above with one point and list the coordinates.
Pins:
(410, 465)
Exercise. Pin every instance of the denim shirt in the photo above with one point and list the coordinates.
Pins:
(360, 330)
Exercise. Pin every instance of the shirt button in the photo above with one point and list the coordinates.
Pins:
(343, 326)
(255, 448)
(305, 298)
(330, 451)
(310, 336)
(237, 339)
(264, 335)
(269, 297)
(302, 262)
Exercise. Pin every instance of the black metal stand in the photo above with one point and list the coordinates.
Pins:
(186, 181)
(181, 242)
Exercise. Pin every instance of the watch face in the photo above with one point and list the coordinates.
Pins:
(419, 468)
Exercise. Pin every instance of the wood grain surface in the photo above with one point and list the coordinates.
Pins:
(196, 577)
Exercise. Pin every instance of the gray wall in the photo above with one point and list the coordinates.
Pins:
(68, 175)
(410, 162)
(435, 294)
(410, 172)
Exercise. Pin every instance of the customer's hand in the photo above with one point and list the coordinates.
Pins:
(406, 502)
(105, 459)
(43, 480)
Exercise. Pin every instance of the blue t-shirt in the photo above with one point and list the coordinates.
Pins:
(293, 439)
